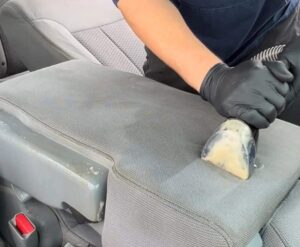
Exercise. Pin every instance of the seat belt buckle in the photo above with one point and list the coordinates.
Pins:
(23, 231)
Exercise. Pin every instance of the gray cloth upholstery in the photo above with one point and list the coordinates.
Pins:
(3, 66)
(2, 2)
(13, 64)
(159, 192)
(103, 43)
(284, 228)
(45, 32)
(179, 202)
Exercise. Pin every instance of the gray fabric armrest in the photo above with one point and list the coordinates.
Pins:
(159, 190)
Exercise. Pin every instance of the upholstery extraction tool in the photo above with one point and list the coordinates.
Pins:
(232, 148)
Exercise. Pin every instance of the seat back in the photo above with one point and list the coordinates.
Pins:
(9, 63)
(45, 32)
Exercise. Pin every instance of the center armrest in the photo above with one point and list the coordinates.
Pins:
(152, 136)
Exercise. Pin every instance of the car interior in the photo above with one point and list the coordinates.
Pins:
(93, 154)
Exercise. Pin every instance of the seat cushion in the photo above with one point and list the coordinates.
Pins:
(45, 32)
(160, 193)
(284, 228)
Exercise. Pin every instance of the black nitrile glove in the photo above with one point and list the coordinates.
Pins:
(291, 55)
(251, 91)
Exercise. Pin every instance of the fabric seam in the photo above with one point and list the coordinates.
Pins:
(93, 27)
(217, 228)
(79, 43)
(271, 223)
(55, 131)
(31, 22)
(123, 52)
(278, 233)
(113, 43)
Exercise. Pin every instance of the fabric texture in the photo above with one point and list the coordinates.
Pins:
(284, 228)
(41, 33)
(13, 64)
(2, 2)
(152, 222)
(112, 117)
(114, 45)
(234, 209)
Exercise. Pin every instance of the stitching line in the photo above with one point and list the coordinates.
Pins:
(126, 55)
(179, 209)
(57, 132)
(280, 235)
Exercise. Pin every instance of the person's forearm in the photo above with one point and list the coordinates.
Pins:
(161, 27)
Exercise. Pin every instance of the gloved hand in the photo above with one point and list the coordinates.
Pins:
(251, 91)
(291, 55)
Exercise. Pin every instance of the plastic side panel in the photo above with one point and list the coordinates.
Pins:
(50, 172)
